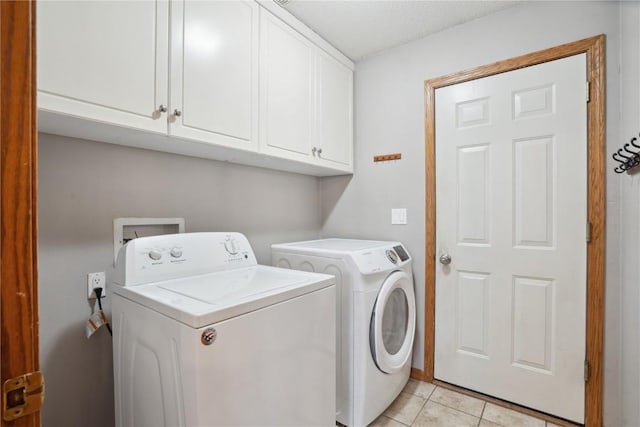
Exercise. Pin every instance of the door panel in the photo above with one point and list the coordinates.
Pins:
(533, 343)
(511, 192)
(472, 309)
(534, 198)
(474, 199)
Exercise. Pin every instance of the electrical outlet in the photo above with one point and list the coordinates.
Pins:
(95, 280)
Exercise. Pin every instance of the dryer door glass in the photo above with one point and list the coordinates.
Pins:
(393, 323)
(395, 319)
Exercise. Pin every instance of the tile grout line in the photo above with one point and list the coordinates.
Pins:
(426, 399)
(484, 407)
(419, 412)
(484, 404)
(482, 413)
(432, 391)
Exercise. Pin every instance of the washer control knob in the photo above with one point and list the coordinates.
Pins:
(155, 254)
(231, 246)
(176, 252)
(391, 255)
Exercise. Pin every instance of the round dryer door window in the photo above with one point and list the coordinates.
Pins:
(393, 323)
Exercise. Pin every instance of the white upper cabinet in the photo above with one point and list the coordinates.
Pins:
(287, 62)
(335, 111)
(214, 72)
(104, 61)
(306, 99)
(239, 81)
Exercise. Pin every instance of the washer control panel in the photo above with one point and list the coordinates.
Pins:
(152, 259)
(384, 258)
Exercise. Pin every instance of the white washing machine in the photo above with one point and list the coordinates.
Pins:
(376, 315)
(205, 336)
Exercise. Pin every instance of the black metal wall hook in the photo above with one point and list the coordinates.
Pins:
(633, 153)
(628, 156)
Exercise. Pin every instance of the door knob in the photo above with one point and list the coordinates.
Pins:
(177, 112)
(445, 259)
(162, 108)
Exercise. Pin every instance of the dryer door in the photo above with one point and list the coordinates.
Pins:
(393, 323)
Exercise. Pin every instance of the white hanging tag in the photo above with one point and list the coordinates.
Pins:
(95, 321)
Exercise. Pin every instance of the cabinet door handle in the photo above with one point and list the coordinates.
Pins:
(319, 151)
(177, 112)
(162, 108)
(313, 151)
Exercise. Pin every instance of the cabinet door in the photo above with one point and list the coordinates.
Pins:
(287, 99)
(214, 72)
(335, 111)
(104, 61)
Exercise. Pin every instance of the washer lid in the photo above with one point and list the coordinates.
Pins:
(199, 301)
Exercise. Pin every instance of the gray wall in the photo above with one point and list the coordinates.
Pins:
(83, 186)
(389, 118)
(630, 215)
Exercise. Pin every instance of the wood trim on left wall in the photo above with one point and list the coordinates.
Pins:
(19, 353)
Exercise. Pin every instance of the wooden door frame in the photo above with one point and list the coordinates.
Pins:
(594, 48)
(19, 351)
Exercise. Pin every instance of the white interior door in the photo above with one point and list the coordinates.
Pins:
(511, 213)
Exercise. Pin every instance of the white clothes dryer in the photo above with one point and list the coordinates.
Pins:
(205, 336)
(375, 318)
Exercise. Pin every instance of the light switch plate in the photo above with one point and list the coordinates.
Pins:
(398, 216)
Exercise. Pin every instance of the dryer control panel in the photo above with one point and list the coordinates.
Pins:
(159, 258)
(376, 260)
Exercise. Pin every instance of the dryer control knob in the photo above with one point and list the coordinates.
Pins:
(155, 254)
(176, 252)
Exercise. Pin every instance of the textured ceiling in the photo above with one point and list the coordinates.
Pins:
(359, 28)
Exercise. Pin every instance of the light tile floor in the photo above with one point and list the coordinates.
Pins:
(424, 404)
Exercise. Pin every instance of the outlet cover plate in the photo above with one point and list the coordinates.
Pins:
(96, 280)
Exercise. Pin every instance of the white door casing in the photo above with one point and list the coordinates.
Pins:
(511, 193)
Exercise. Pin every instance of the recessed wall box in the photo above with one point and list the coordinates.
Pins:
(125, 229)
